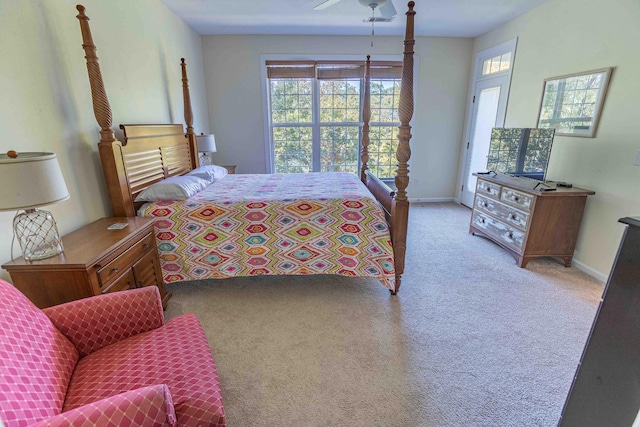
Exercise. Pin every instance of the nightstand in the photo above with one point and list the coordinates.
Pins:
(230, 168)
(95, 261)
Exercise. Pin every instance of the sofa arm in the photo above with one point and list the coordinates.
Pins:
(95, 322)
(146, 406)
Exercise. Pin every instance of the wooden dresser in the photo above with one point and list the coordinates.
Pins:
(528, 222)
(606, 387)
(95, 261)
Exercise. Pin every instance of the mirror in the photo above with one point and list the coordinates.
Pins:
(571, 104)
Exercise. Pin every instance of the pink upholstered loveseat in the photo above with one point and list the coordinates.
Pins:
(104, 361)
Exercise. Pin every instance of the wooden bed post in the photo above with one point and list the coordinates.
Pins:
(400, 206)
(109, 148)
(188, 115)
(366, 117)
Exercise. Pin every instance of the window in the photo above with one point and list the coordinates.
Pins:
(496, 64)
(315, 116)
(383, 128)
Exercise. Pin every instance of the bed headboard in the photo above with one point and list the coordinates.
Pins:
(156, 152)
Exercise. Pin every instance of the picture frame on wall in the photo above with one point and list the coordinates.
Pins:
(572, 104)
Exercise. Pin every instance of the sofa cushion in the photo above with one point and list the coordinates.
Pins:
(36, 361)
(177, 355)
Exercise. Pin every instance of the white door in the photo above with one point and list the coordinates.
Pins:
(492, 77)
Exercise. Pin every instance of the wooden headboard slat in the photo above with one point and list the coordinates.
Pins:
(135, 176)
(146, 156)
(139, 186)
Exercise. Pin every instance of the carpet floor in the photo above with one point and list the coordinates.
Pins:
(470, 339)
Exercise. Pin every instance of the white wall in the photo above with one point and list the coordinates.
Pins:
(233, 75)
(46, 101)
(567, 36)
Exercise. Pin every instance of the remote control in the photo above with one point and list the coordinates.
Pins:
(117, 226)
(564, 184)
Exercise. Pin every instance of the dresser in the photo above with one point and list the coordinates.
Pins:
(606, 387)
(96, 260)
(526, 221)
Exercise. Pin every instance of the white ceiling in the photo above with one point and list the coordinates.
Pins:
(446, 18)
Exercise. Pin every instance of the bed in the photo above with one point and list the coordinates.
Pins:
(322, 223)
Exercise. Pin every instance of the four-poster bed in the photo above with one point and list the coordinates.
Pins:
(364, 241)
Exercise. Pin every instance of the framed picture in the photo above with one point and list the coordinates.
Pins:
(572, 104)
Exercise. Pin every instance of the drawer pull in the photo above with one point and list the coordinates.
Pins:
(114, 269)
(510, 234)
(516, 198)
(512, 216)
(146, 245)
(485, 204)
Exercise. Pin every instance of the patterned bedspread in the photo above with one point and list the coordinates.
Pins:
(244, 225)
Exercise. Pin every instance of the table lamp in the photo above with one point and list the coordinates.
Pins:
(206, 144)
(31, 180)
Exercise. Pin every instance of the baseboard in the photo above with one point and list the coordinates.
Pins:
(590, 271)
(430, 199)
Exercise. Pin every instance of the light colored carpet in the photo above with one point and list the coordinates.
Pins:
(470, 339)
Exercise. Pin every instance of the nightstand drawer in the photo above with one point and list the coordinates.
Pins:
(115, 268)
(124, 282)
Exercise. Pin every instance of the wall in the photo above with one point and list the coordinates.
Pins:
(234, 88)
(46, 100)
(567, 36)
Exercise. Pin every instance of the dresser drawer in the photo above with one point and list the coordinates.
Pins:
(115, 268)
(504, 212)
(485, 203)
(488, 189)
(501, 232)
(516, 198)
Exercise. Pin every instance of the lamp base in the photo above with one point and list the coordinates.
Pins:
(204, 159)
(38, 235)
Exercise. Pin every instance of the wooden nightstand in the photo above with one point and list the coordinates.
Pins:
(95, 261)
(230, 168)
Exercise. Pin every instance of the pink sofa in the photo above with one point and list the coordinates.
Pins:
(104, 361)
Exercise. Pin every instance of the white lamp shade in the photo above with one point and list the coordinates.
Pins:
(207, 143)
(30, 180)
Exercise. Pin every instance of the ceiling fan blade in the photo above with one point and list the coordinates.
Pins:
(387, 10)
(325, 4)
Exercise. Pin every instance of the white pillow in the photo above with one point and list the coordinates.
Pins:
(172, 188)
(210, 173)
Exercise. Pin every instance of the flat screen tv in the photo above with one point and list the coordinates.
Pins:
(520, 151)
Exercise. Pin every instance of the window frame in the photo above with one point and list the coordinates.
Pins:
(269, 144)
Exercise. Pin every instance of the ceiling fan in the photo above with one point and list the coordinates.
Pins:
(386, 8)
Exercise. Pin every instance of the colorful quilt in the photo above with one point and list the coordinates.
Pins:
(279, 224)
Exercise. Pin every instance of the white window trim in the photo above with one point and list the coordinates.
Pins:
(268, 147)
